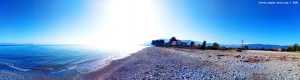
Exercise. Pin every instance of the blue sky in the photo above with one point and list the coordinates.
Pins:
(136, 21)
(232, 20)
(34, 21)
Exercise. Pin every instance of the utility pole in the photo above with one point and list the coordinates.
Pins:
(242, 44)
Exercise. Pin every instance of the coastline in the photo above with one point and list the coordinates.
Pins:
(77, 61)
(181, 64)
(175, 63)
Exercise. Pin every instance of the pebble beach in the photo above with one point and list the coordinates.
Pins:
(154, 63)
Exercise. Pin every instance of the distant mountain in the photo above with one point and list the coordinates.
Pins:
(257, 46)
(266, 46)
(15, 44)
(189, 42)
(146, 44)
(8, 44)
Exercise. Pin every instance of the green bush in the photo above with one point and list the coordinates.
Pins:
(216, 46)
(294, 48)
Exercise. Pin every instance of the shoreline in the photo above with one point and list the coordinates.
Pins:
(181, 64)
(176, 63)
(102, 72)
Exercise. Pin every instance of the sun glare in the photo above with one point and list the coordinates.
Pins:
(125, 23)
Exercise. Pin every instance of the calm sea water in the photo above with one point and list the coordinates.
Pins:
(53, 60)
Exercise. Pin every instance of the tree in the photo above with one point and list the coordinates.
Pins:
(158, 42)
(192, 44)
(198, 46)
(215, 46)
(203, 45)
(246, 47)
(290, 49)
(296, 47)
(283, 49)
(173, 39)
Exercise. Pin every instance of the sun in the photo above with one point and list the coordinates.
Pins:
(125, 23)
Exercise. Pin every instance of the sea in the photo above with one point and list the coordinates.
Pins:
(57, 60)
